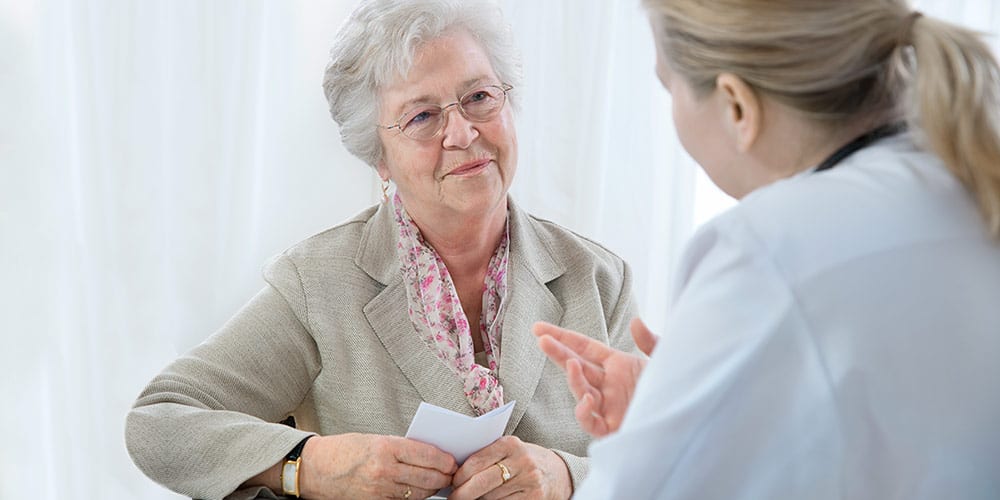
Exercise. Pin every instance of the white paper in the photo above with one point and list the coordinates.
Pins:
(457, 434)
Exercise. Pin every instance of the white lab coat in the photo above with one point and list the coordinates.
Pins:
(836, 335)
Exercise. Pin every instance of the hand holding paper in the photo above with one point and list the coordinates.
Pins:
(457, 434)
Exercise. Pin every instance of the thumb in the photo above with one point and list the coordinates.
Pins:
(644, 338)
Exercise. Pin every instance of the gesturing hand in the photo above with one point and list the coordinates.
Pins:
(602, 378)
(373, 466)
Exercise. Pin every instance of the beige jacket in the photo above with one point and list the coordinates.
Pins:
(330, 340)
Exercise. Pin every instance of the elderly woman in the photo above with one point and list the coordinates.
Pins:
(428, 296)
(837, 333)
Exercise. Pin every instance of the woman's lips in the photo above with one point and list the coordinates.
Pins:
(471, 168)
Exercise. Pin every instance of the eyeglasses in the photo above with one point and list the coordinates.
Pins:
(426, 121)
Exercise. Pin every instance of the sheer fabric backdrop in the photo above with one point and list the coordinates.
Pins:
(153, 154)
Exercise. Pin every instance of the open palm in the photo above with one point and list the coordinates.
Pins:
(602, 378)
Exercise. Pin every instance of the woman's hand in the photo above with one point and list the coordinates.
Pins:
(535, 472)
(372, 466)
(602, 378)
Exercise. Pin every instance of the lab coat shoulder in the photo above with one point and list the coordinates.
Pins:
(716, 378)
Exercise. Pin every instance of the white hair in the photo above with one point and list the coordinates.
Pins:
(375, 48)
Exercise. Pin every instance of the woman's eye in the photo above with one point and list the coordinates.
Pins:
(422, 117)
(478, 96)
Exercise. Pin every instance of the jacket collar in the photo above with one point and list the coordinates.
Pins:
(377, 250)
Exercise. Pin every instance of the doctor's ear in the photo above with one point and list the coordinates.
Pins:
(743, 113)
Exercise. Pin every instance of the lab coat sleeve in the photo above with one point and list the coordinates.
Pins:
(735, 394)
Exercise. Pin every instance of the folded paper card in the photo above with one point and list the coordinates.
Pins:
(457, 434)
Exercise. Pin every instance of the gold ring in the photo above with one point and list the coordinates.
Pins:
(504, 472)
(408, 493)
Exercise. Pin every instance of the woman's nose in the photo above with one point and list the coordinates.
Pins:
(459, 132)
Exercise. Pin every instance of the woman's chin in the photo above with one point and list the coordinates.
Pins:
(479, 202)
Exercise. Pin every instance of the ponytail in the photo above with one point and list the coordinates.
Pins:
(852, 62)
(956, 106)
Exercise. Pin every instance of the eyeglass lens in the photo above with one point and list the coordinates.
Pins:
(424, 122)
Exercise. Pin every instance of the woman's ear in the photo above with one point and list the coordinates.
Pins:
(743, 111)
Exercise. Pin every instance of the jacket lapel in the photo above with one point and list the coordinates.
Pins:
(528, 300)
(388, 317)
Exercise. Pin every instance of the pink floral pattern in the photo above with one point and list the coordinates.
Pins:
(436, 311)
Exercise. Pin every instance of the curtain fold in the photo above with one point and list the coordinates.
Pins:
(154, 154)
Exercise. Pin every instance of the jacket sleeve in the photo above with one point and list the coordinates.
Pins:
(205, 424)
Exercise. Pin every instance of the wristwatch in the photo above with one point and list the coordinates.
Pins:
(290, 470)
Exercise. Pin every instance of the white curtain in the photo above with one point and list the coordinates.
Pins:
(153, 154)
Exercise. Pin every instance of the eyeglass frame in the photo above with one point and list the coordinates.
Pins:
(504, 87)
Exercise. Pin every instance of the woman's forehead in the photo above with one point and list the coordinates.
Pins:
(444, 67)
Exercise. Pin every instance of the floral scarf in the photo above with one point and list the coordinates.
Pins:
(436, 311)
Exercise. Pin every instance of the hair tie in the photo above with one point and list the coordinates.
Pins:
(906, 29)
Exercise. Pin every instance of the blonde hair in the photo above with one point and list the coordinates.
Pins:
(850, 61)
(375, 46)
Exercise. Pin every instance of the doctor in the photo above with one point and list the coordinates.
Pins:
(837, 333)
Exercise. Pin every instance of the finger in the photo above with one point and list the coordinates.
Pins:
(560, 355)
(556, 351)
(508, 490)
(420, 477)
(590, 420)
(584, 346)
(487, 480)
(645, 340)
(416, 493)
(477, 485)
(413, 452)
(485, 458)
(532, 470)
(482, 481)
(578, 382)
(540, 328)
